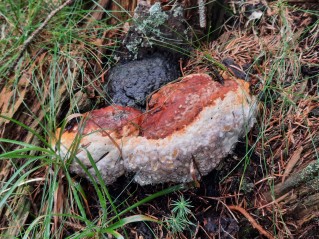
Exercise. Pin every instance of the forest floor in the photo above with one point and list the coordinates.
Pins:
(275, 43)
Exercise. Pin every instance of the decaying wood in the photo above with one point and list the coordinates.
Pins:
(305, 4)
(297, 179)
(302, 1)
(253, 222)
(292, 162)
(299, 193)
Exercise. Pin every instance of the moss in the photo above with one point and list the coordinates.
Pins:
(314, 184)
(307, 174)
(310, 172)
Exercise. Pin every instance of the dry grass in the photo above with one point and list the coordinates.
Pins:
(279, 52)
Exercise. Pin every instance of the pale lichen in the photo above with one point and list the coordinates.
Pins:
(154, 27)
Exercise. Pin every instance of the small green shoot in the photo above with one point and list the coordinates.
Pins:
(180, 218)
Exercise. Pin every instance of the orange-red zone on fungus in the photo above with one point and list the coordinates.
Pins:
(176, 105)
(171, 109)
(113, 118)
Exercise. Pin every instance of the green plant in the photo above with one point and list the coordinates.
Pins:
(57, 212)
(45, 78)
(181, 214)
(66, 59)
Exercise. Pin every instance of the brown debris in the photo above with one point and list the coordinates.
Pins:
(251, 220)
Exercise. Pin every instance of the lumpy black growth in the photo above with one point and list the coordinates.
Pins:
(149, 55)
(130, 83)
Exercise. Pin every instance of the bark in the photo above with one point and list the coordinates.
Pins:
(299, 194)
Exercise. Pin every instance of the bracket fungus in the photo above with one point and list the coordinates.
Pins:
(189, 126)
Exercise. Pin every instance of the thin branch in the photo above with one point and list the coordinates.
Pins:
(252, 221)
(36, 32)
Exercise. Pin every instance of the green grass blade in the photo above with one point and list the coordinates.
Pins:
(151, 197)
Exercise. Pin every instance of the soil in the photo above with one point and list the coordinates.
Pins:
(211, 219)
(234, 182)
(241, 179)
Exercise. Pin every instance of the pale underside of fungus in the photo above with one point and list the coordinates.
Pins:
(188, 128)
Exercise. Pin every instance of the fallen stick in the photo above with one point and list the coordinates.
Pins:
(36, 32)
(252, 221)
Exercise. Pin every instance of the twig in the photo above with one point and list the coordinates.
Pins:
(275, 201)
(202, 13)
(97, 15)
(36, 32)
(292, 162)
(252, 221)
